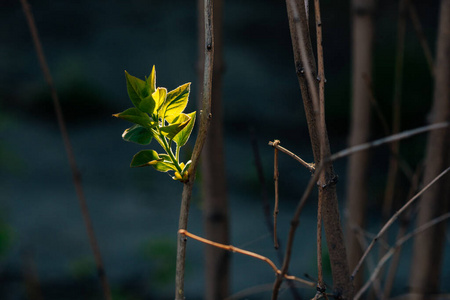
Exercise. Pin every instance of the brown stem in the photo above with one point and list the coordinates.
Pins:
(393, 218)
(275, 180)
(322, 135)
(309, 166)
(305, 66)
(245, 252)
(76, 176)
(205, 117)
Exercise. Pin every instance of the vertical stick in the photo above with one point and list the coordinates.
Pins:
(69, 150)
(205, 118)
(275, 180)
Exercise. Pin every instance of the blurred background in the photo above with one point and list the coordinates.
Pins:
(88, 45)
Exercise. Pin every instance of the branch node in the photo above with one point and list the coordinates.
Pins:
(333, 180)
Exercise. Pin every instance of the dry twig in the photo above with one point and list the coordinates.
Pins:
(400, 242)
(245, 252)
(76, 175)
(393, 218)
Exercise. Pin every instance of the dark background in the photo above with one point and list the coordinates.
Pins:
(88, 45)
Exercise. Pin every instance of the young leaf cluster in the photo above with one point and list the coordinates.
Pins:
(158, 114)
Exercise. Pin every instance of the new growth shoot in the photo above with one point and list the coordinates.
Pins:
(158, 114)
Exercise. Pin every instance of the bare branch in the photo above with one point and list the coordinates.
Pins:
(309, 166)
(399, 242)
(76, 175)
(245, 252)
(275, 180)
(386, 140)
(394, 217)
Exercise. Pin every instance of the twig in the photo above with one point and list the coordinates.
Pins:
(386, 140)
(309, 166)
(245, 252)
(393, 218)
(266, 207)
(396, 110)
(421, 36)
(404, 223)
(205, 117)
(398, 244)
(76, 176)
(275, 208)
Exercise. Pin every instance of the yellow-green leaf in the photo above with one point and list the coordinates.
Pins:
(152, 80)
(145, 158)
(136, 88)
(136, 116)
(179, 123)
(183, 136)
(176, 102)
(159, 97)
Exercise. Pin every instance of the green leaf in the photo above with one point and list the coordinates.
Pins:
(147, 105)
(152, 80)
(137, 89)
(136, 116)
(183, 136)
(159, 97)
(172, 130)
(138, 134)
(176, 102)
(145, 158)
(166, 157)
(164, 166)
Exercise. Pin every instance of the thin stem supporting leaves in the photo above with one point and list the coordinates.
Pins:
(205, 118)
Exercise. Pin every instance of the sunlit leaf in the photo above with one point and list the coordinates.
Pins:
(136, 116)
(152, 80)
(176, 102)
(172, 130)
(159, 96)
(137, 89)
(183, 136)
(138, 134)
(164, 166)
(145, 158)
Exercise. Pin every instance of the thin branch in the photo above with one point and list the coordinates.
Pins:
(309, 166)
(76, 176)
(386, 140)
(421, 36)
(321, 77)
(396, 111)
(266, 206)
(205, 118)
(245, 252)
(275, 180)
(404, 224)
(399, 243)
(394, 217)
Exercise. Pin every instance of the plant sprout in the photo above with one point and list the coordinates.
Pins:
(158, 114)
